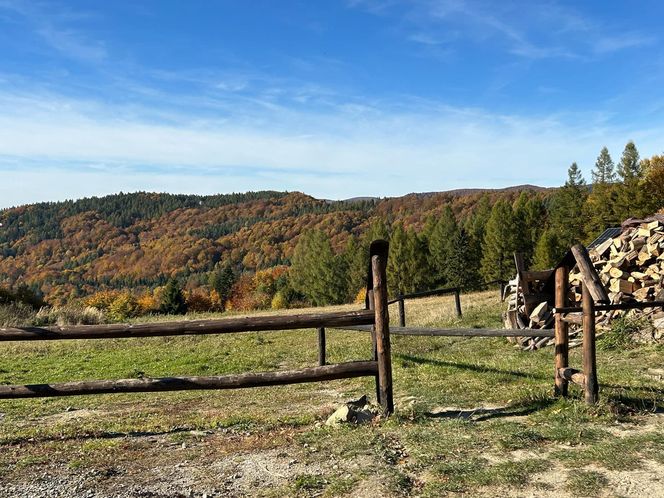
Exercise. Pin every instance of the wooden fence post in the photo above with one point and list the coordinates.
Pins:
(402, 311)
(589, 357)
(457, 302)
(321, 346)
(561, 331)
(378, 252)
(502, 290)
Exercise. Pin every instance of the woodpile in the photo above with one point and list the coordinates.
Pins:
(630, 266)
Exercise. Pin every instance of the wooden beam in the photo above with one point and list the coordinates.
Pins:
(589, 275)
(589, 356)
(193, 327)
(378, 252)
(612, 307)
(423, 331)
(561, 332)
(434, 292)
(261, 379)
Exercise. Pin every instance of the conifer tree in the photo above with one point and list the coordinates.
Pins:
(547, 251)
(629, 198)
(356, 256)
(173, 302)
(475, 225)
(529, 215)
(600, 205)
(567, 213)
(440, 244)
(316, 272)
(222, 280)
(461, 270)
(499, 243)
(407, 264)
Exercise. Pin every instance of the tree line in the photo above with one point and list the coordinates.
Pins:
(468, 252)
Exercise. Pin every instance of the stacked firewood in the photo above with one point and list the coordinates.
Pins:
(631, 267)
(516, 317)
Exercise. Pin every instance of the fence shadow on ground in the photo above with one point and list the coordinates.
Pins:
(482, 414)
(468, 366)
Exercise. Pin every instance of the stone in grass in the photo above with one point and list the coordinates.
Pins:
(354, 412)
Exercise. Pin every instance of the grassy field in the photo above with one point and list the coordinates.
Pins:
(472, 416)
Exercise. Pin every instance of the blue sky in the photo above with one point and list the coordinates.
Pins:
(333, 98)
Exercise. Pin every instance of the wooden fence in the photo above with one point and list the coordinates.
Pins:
(379, 366)
(435, 292)
(592, 292)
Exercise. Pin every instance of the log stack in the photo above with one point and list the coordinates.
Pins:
(631, 267)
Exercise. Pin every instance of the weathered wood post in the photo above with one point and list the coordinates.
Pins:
(378, 252)
(402, 311)
(321, 346)
(502, 289)
(457, 302)
(561, 331)
(589, 357)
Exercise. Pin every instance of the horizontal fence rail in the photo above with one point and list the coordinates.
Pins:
(613, 307)
(434, 292)
(422, 331)
(257, 379)
(192, 327)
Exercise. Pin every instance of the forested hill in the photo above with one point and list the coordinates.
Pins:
(139, 240)
(278, 249)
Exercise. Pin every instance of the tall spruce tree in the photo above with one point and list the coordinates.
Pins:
(500, 243)
(440, 244)
(475, 225)
(172, 302)
(461, 268)
(221, 280)
(407, 265)
(629, 197)
(567, 212)
(600, 205)
(356, 256)
(316, 272)
(529, 215)
(547, 251)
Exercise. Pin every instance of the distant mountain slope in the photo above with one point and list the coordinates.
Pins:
(140, 239)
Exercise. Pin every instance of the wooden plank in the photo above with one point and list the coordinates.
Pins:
(434, 292)
(259, 379)
(422, 331)
(192, 327)
(612, 307)
(561, 331)
(589, 274)
(378, 252)
(589, 356)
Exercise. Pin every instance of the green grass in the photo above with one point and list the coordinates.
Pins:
(472, 414)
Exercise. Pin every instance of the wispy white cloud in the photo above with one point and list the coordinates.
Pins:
(84, 147)
(542, 29)
(55, 25)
